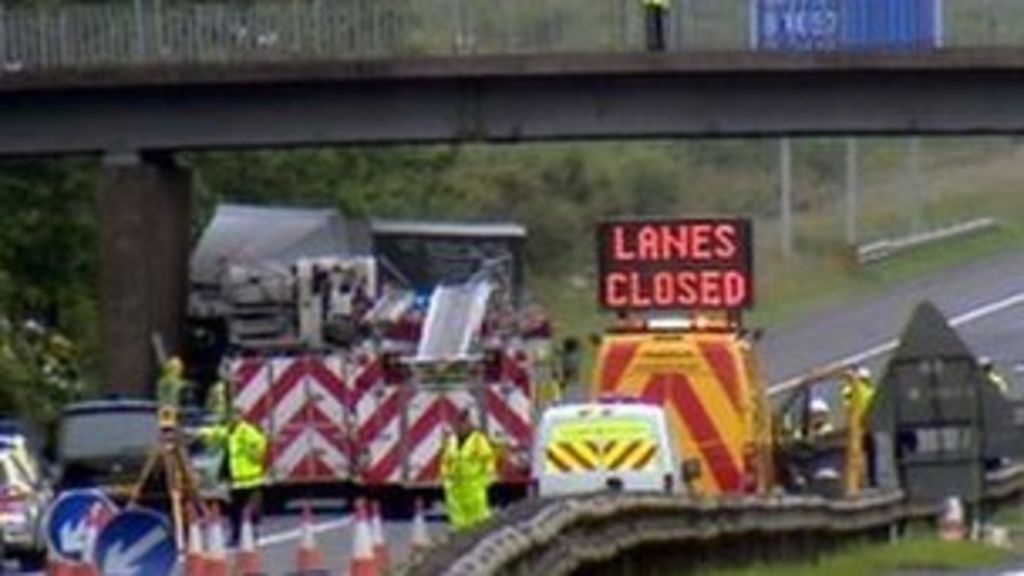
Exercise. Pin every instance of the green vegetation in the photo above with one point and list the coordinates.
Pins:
(48, 228)
(914, 554)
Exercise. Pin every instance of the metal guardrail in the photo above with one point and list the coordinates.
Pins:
(67, 35)
(563, 536)
(882, 249)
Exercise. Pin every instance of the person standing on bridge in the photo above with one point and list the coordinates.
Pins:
(656, 16)
(468, 467)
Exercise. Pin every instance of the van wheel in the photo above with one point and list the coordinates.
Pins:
(506, 494)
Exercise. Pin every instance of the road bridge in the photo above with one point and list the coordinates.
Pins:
(136, 118)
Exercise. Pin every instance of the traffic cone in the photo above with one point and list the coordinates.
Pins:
(951, 523)
(308, 559)
(216, 563)
(195, 561)
(363, 562)
(247, 560)
(420, 539)
(380, 546)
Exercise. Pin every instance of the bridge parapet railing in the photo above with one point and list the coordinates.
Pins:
(53, 34)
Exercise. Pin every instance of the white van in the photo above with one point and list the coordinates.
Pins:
(585, 448)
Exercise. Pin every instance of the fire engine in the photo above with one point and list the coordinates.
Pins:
(355, 344)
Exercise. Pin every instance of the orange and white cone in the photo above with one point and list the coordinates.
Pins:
(216, 563)
(420, 539)
(380, 545)
(308, 558)
(248, 561)
(363, 562)
(195, 561)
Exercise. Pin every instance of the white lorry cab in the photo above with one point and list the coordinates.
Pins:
(584, 448)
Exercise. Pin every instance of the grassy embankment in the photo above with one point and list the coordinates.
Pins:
(913, 556)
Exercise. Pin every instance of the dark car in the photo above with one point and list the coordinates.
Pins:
(105, 444)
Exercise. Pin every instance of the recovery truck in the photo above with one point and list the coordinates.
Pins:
(355, 344)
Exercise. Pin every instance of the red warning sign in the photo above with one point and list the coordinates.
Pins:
(702, 264)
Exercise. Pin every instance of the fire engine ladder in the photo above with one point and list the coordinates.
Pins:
(454, 321)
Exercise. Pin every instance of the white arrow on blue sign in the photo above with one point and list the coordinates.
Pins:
(136, 542)
(67, 518)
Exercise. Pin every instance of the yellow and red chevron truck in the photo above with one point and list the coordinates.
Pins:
(679, 288)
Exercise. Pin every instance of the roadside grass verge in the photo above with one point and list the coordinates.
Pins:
(874, 560)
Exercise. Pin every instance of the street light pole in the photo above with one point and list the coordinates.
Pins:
(852, 191)
(786, 195)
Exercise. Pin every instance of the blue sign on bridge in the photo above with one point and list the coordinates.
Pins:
(136, 542)
(823, 25)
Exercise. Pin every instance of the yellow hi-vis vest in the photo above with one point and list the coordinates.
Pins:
(467, 470)
(999, 382)
(247, 452)
(471, 461)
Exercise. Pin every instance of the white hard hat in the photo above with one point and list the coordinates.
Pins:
(984, 361)
(819, 406)
(864, 372)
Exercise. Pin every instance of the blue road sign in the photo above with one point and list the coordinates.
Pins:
(67, 518)
(802, 24)
(823, 25)
(136, 542)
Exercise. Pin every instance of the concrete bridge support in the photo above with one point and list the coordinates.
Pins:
(144, 207)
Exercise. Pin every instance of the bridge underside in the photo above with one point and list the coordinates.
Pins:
(512, 99)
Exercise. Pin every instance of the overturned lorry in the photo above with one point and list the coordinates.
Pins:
(355, 344)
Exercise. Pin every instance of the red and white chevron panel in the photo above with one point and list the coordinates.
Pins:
(309, 440)
(334, 417)
(429, 415)
(509, 424)
(376, 423)
(509, 416)
(251, 382)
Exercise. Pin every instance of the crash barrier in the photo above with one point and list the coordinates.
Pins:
(882, 249)
(645, 533)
